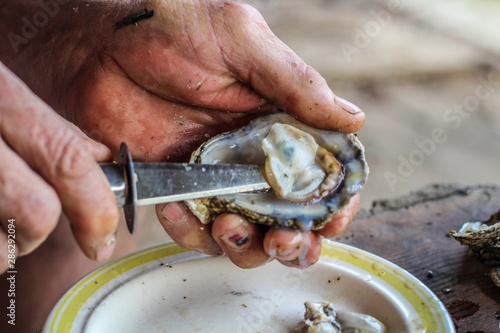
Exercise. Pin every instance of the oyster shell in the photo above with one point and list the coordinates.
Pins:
(483, 240)
(313, 173)
(322, 318)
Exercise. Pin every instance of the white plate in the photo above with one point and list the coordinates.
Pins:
(165, 288)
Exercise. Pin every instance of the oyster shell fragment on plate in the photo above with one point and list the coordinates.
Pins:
(483, 240)
(313, 173)
(321, 317)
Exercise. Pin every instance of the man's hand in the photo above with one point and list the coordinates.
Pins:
(207, 58)
(48, 166)
(166, 75)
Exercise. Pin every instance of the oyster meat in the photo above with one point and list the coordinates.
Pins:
(301, 177)
(313, 173)
(323, 318)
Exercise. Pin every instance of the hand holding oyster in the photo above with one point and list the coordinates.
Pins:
(313, 173)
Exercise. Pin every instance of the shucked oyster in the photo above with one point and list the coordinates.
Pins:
(313, 173)
(322, 318)
(297, 168)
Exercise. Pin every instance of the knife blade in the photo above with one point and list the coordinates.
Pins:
(143, 183)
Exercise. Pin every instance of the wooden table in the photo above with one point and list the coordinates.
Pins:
(413, 232)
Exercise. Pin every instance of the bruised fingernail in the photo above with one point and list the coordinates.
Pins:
(237, 238)
(173, 212)
(106, 249)
(347, 106)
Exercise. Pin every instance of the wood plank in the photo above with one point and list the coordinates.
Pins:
(413, 232)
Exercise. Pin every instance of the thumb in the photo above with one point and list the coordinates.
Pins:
(259, 58)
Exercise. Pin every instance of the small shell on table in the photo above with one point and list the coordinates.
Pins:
(483, 240)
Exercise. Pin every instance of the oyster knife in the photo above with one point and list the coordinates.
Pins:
(143, 183)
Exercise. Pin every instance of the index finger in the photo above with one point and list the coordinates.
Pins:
(52, 148)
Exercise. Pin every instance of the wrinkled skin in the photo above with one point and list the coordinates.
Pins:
(195, 69)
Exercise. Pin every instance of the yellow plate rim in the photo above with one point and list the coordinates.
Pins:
(430, 309)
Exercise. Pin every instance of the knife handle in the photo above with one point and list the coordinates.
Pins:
(121, 178)
(116, 178)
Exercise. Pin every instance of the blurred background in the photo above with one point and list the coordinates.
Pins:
(427, 74)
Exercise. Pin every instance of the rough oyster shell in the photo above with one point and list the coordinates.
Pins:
(483, 240)
(244, 146)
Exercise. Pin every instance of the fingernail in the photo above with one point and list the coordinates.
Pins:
(290, 254)
(347, 106)
(287, 249)
(105, 250)
(173, 213)
(237, 238)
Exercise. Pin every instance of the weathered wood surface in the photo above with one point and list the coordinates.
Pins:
(413, 232)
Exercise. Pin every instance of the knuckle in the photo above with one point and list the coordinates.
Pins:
(245, 9)
(39, 222)
(242, 11)
(71, 156)
(43, 221)
(34, 205)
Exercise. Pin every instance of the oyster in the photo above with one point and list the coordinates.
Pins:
(299, 177)
(483, 240)
(322, 318)
(313, 173)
